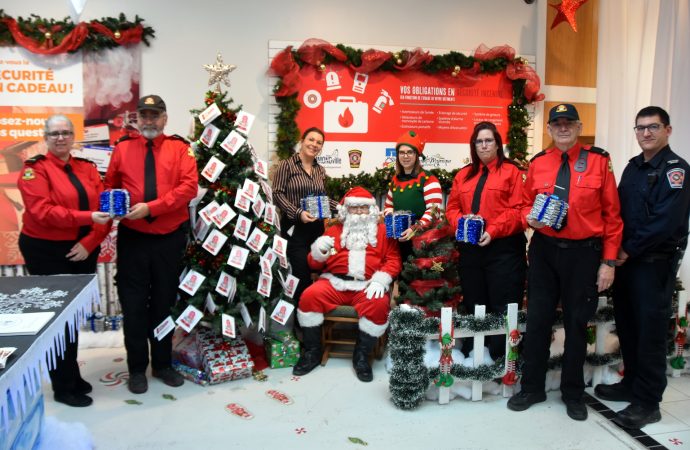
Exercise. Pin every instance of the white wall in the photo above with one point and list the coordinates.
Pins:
(188, 35)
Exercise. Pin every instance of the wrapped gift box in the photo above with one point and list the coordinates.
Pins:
(223, 359)
(185, 349)
(397, 222)
(94, 322)
(114, 202)
(317, 205)
(190, 373)
(282, 349)
(549, 210)
(470, 229)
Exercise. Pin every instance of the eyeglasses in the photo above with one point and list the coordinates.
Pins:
(480, 142)
(406, 153)
(58, 134)
(652, 128)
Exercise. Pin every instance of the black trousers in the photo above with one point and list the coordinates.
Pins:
(405, 248)
(299, 246)
(568, 275)
(147, 279)
(642, 293)
(45, 257)
(493, 276)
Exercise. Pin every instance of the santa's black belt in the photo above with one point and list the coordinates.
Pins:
(594, 242)
(346, 277)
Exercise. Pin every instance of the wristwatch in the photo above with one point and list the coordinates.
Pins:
(609, 262)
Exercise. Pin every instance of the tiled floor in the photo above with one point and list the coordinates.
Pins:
(331, 409)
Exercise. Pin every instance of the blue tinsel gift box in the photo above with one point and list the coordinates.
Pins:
(397, 222)
(470, 229)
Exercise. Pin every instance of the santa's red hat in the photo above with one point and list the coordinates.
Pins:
(358, 196)
(412, 139)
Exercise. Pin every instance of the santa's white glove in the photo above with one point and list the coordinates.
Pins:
(324, 244)
(375, 290)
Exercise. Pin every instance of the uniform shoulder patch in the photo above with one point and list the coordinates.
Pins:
(598, 151)
(34, 159)
(126, 137)
(541, 153)
(28, 174)
(190, 152)
(672, 161)
(177, 137)
(675, 177)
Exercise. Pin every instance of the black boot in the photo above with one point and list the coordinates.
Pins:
(311, 340)
(360, 357)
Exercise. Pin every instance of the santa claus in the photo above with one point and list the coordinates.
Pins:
(358, 264)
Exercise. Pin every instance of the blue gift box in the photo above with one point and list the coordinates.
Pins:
(114, 202)
(549, 210)
(397, 222)
(317, 205)
(470, 229)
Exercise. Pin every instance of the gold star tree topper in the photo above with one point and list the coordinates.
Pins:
(219, 72)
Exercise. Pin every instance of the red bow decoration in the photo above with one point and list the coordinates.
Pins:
(426, 263)
(516, 69)
(464, 78)
(414, 59)
(284, 66)
(71, 42)
(372, 59)
(484, 53)
(313, 51)
(431, 236)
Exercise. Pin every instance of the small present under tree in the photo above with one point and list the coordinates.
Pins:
(430, 278)
(235, 263)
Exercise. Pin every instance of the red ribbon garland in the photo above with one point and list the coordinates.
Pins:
(372, 59)
(72, 40)
(313, 51)
(284, 66)
(412, 60)
(515, 69)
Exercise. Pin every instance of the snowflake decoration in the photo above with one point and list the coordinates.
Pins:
(33, 298)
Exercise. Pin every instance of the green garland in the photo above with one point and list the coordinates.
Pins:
(518, 117)
(34, 27)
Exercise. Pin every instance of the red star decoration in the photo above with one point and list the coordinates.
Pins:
(566, 12)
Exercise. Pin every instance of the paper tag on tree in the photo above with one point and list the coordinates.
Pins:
(250, 189)
(223, 215)
(223, 285)
(192, 281)
(261, 168)
(265, 267)
(262, 320)
(210, 305)
(214, 242)
(258, 206)
(279, 245)
(244, 312)
(200, 230)
(207, 211)
(242, 227)
(270, 214)
(233, 142)
(244, 122)
(189, 318)
(267, 190)
(257, 240)
(270, 256)
(264, 285)
(164, 328)
(213, 169)
(291, 285)
(238, 257)
(241, 201)
(209, 136)
(281, 313)
(210, 113)
(228, 322)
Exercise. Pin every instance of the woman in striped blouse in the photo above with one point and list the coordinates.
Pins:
(297, 177)
(412, 189)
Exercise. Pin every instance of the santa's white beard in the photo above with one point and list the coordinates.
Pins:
(359, 230)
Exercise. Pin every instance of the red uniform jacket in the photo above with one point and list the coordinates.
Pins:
(501, 199)
(176, 180)
(593, 206)
(52, 202)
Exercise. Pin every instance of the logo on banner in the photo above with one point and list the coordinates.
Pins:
(355, 157)
(345, 115)
(390, 158)
(330, 160)
(435, 161)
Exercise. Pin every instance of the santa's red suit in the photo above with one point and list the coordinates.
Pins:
(346, 274)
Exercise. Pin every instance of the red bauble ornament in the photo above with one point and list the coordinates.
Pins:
(566, 12)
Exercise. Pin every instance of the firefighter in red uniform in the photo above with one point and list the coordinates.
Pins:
(61, 234)
(571, 265)
(160, 174)
(493, 272)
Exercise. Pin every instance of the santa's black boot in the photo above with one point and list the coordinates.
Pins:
(311, 340)
(360, 357)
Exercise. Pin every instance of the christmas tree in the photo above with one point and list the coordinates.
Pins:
(235, 267)
(430, 278)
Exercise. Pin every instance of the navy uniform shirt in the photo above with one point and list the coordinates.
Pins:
(655, 204)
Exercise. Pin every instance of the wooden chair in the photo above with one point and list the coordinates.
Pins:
(339, 334)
